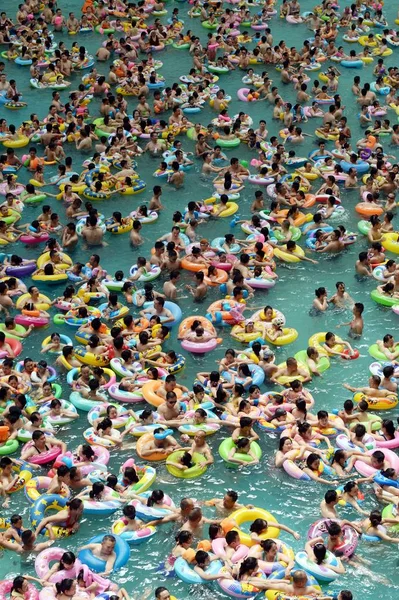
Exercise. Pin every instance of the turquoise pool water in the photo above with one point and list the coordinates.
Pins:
(293, 503)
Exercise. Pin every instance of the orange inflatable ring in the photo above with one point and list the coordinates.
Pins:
(149, 391)
(310, 200)
(218, 306)
(155, 455)
(267, 249)
(185, 326)
(367, 209)
(190, 266)
(31, 313)
(222, 277)
(300, 220)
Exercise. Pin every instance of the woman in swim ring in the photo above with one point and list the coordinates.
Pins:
(66, 563)
(155, 500)
(351, 494)
(314, 468)
(98, 493)
(184, 541)
(373, 526)
(330, 342)
(201, 562)
(105, 430)
(246, 570)
(68, 518)
(317, 553)
(389, 491)
(267, 552)
(344, 460)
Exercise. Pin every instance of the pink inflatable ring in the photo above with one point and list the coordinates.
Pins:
(350, 535)
(6, 587)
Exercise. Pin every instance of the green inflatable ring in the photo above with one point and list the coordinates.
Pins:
(208, 25)
(376, 353)
(376, 425)
(34, 199)
(382, 299)
(387, 513)
(18, 329)
(364, 226)
(104, 31)
(228, 444)
(57, 390)
(101, 133)
(195, 471)
(228, 143)
(295, 234)
(322, 365)
(59, 319)
(9, 447)
(180, 46)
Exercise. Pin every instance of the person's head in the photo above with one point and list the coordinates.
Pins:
(320, 552)
(331, 497)
(161, 593)
(108, 544)
(258, 526)
(202, 558)
(377, 459)
(230, 498)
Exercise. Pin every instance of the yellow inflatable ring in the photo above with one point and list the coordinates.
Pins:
(238, 333)
(364, 41)
(316, 340)
(377, 403)
(245, 515)
(289, 335)
(88, 358)
(19, 143)
(289, 257)
(63, 266)
(390, 241)
(43, 304)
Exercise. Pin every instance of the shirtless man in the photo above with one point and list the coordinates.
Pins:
(69, 237)
(160, 444)
(155, 146)
(357, 323)
(159, 310)
(297, 588)
(227, 504)
(170, 410)
(328, 504)
(373, 389)
(341, 298)
(335, 244)
(196, 521)
(180, 516)
(291, 369)
(72, 23)
(389, 347)
(158, 258)
(362, 265)
(169, 287)
(92, 233)
(170, 385)
(200, 290)
(104, 551)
